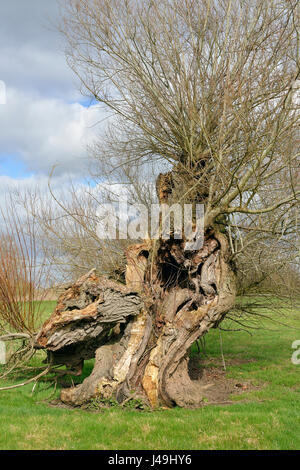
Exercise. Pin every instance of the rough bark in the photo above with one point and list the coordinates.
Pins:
(140, 334)
(85, 317)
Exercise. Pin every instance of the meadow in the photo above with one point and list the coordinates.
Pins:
(265, 415)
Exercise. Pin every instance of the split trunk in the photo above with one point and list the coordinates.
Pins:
(140, 333)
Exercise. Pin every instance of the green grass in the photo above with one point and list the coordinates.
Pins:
(47, 307)
(265, 418)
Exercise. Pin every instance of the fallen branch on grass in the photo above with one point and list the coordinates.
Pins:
(13, 336)
(33, 379)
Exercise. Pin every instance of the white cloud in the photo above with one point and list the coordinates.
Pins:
(33, 69)
(32, 49)
(33, 191)
(44, 132)
(43, 122)
(7, 183)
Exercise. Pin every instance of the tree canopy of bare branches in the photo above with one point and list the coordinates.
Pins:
(206, 85)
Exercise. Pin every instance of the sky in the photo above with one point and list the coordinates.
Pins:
(45, 121)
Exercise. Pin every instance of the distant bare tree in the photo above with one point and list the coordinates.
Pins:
(24, 277)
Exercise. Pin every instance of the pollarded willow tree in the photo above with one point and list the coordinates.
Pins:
(207, 86)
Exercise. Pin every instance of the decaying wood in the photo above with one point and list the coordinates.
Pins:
(140, 333)
(84, 318)
(188, 313)
(141, 343)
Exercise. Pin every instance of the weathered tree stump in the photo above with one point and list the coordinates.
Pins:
(140, 334)
(84, 319)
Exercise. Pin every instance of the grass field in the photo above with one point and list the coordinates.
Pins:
(267, 417)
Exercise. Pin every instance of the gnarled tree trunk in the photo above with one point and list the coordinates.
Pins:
(140, 334)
